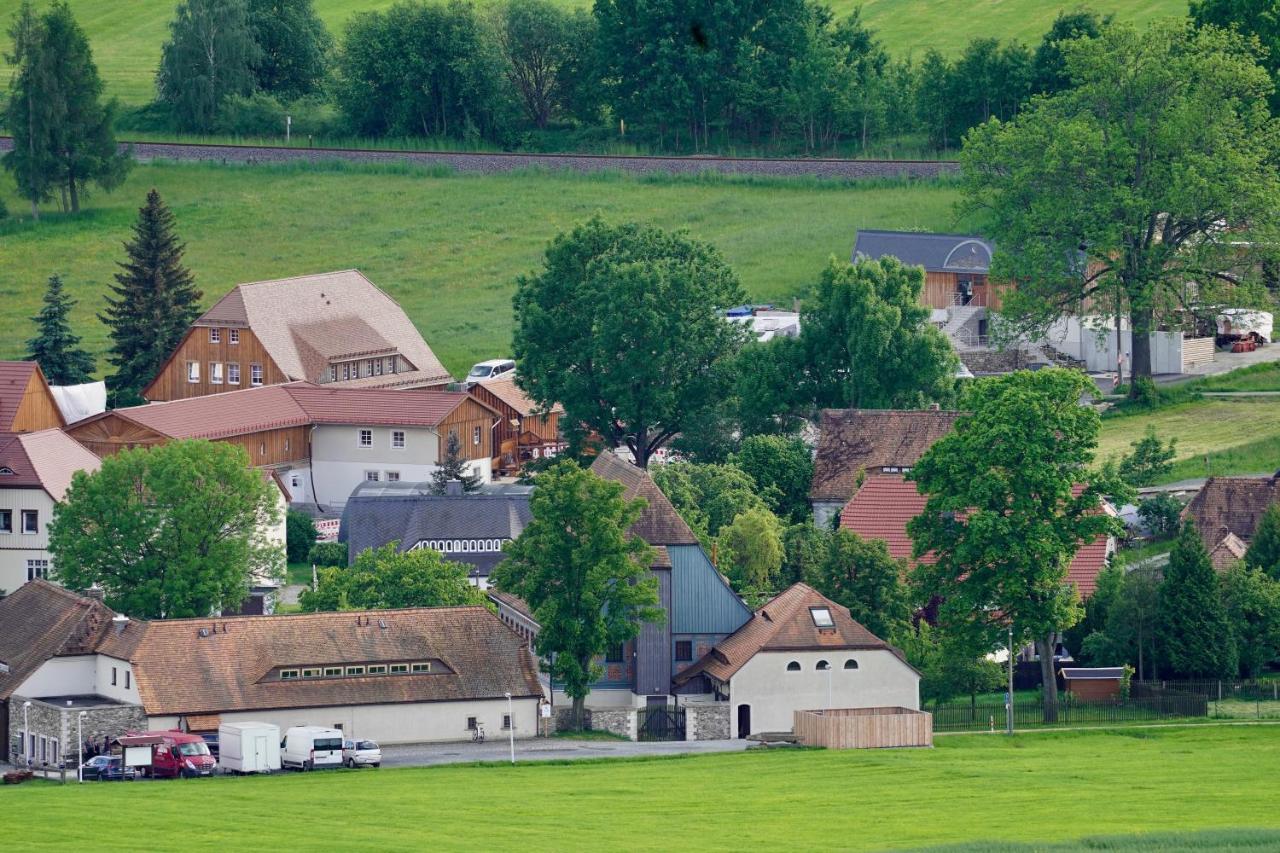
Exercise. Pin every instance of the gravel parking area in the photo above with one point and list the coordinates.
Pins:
(545, 749)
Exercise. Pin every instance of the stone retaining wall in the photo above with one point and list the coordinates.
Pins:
(707, 721)
(53, 721)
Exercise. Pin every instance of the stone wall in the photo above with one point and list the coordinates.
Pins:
(54, 721)
(707, 721)
(618, 721)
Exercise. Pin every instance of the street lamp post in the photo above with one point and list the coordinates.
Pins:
(80, 745)
(511, 729)
(1008, 706)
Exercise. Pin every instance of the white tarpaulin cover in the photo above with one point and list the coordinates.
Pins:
(77, 402)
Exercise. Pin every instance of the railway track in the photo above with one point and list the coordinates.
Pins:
(493, 162)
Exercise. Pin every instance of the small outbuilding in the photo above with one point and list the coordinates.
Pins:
(1093, 683)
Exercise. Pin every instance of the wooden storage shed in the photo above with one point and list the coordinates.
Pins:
(1093, 683)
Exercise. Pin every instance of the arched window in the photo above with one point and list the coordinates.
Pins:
(823, 665)
(794, 666)
(851, 664)
(457, 544)
(448, 546)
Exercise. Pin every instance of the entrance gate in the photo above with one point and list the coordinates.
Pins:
(660, 722)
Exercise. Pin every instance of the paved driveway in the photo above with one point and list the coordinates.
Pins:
(544, 749)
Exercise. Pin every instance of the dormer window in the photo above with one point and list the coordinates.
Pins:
(6, 471)
(822, 617)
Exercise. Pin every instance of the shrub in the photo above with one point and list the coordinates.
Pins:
(328, 554)
(1160, 515)
(300, 535)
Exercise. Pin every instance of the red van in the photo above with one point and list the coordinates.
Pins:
(178, 754)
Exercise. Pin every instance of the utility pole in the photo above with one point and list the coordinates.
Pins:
(511, 729)
(80, 745)
(1008, 705)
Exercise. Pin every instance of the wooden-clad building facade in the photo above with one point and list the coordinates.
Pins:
(26, 403)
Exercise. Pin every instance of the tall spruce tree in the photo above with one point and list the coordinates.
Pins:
(454, 467)
(156, 300)
(1195, 637)
(1264, 547)
(55, 347)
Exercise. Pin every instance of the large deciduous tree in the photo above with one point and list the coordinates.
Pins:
(385, 578)
(155, 301)
(1264, 547)
(708, 496)
(1196, 640)
(868, 342)
(168, 532)
(861, 575)
(1009, 502)
(749, 551)
(1251, 600)
(537, 41)
(782, 469)
(623, 327)
(586, 580)
(1257, 18)
(62, 130)
(1148, 188)
(293, 46)
(210, 55)
(55, 347)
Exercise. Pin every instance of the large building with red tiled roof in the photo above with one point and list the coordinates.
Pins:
(35, 471)
(322, 440)
(335, 327)
(884, 503)
(800, 651)
(396, 676)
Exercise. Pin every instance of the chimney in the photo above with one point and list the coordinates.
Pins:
(95, 592)
(935, 407)
(119, 622)
(453, 488)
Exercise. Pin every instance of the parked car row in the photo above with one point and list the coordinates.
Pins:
(243, 748)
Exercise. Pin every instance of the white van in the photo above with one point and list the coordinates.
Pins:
(248, 747)
(311, 747)
(491, 369)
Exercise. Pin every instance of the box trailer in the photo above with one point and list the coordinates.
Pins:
(249, 747)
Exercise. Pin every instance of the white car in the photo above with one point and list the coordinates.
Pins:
(491, 369)
(361, 753)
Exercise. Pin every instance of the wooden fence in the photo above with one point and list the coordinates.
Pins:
(864, 728)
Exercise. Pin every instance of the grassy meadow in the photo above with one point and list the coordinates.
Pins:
(447, 246)
(979, 791)
(127, 37)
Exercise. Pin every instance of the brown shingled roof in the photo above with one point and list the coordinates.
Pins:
(304, 320)
(784, 623)
(659, 524)
(474, 655)
(854, 440)
(41, 620)
(294, 404)
(45, 460)
(506, 390)
(15, 376)
(1231, 505)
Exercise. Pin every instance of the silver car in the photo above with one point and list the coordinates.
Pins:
(361, 753)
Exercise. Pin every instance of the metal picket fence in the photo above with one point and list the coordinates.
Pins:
(1029, 712)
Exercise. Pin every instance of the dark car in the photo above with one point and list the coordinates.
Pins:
(106, 768)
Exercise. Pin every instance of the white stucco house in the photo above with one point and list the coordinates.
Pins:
(800, 651)
(35, 471)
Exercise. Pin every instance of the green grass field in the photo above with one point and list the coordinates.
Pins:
(1241, 436)
(448, 247)
(127, 37)
(977, 790)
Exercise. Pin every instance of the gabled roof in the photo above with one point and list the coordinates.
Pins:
(785, 624)
(659, 524)
(886, 502)
(1228, 552)
(304, 321)
(16, 377)
(506, 390)
(1231, 505)
(40, 621)
(290, 405)
(860, 440)
(178, 671)
(934, 252)
(46, 459)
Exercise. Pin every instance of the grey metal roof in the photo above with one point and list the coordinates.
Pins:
(934, 252)
(373, 520)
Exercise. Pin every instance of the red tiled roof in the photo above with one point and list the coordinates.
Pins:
(41, 620)
(46, 459)
(294, 404)
(885, 503)
(784, 623)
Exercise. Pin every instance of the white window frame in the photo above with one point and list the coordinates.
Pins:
(37, 568)
(288, 674)
(420, 668)
(401, 436)
(355, 670)
(477, 436)
(7, 514)
(34, 515)
(371, 477)
(392, 476)
(376, 669)
(255, 375)
(193, 372)
(332, 671)
(398, 669)
(215, 335)
(233, 336)
(215, 373)
(233, 373)
(361, 435)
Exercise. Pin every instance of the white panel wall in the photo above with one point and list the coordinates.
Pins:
(339, 463)
(881, 679)
(423, 722)
(82, 675)
(18, 547)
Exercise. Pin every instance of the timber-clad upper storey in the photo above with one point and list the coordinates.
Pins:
(330, 328)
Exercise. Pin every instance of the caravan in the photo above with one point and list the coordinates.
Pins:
(249, 747)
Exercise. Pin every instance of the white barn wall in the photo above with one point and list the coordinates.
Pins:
(881, 679)
(18, 547)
